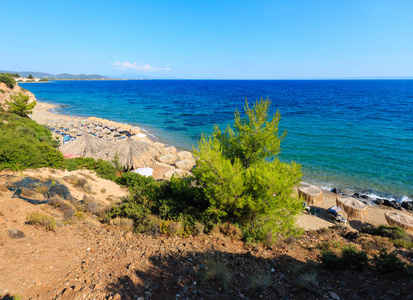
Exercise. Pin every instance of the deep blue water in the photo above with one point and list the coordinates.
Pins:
(355, 134)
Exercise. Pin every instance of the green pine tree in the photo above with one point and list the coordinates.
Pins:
(19, 105)
(243, 178)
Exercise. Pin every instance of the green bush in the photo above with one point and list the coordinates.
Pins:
(402, 244)
(103, 168)
(7, 79)
(329, 260)
(397, 235)
(389, 263)
(243, 179)
(349, 258)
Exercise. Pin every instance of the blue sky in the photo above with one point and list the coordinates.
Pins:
(210, 39)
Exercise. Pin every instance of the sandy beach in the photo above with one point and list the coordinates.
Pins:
(42, 114)
(375, 215)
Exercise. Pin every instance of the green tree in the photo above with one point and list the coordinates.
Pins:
(30, 76)
(19, 105)
(244, 180)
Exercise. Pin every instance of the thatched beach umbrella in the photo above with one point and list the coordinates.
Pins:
(399, 219)
(355, 209)
(132, 154)
(312, 194)
(87, 145)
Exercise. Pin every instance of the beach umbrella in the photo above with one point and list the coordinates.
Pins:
(144, 171)
(355, 209)
(132, 154)
(87, 146)
(311, 194)
(399, 219)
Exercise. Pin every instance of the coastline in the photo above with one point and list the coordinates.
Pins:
(375, 213)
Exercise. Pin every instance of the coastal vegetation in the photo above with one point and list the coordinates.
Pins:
(7, 79)
(19, 105)
(242, 178)
(26, 144)
(239, 181)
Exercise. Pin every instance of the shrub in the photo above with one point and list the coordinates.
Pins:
(230, 230)
(171, 228)
(26, 144)
(92, 206)
(260, 279)
(80, 215)
(397, 235)
(39, 219)
(7, 79)
(353, 259)
(242, 178)
(150, 225)
(103, 168)
(216, 270)
(389, 263)
(402, 244)
(329, 260)
(19, 105)
(121, 222)
(2, 91)
(306, 280)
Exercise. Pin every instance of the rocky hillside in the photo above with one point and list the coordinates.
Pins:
(5, 93)
(81, 258)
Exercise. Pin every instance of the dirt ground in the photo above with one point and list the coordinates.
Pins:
(90, 260)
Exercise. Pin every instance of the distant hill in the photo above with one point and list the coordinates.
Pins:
(58, 76)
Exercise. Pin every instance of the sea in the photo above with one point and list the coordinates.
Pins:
(352, 135)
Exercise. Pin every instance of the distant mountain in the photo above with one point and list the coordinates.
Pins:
(58, 76)
(139, 76)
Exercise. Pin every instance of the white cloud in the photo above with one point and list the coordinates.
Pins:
(135, 66)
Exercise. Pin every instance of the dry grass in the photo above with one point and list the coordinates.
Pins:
(39, 219)
(260, 279)
(121, 222)
(307, 281)
(216, 270)
(91, 222)
(26, 193)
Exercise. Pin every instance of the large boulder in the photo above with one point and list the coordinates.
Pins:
(168, 159)
(185, 164)
(170, 150)
(160, 147)
(175, 172)
(184, 155)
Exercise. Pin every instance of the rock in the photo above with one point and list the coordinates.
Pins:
(175, 172)
(333, 295)
(160, 147)
(97, 287)
(392, 204)
(117, 297)
(407, 205)
(15, 234)
(184, 155)
(379, 201)
(135, 130)
(186, 164)
(170, 150)
(168, 159)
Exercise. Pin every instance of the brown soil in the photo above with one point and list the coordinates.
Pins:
(81, 261)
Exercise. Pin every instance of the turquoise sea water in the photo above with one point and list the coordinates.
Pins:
(349, 134)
